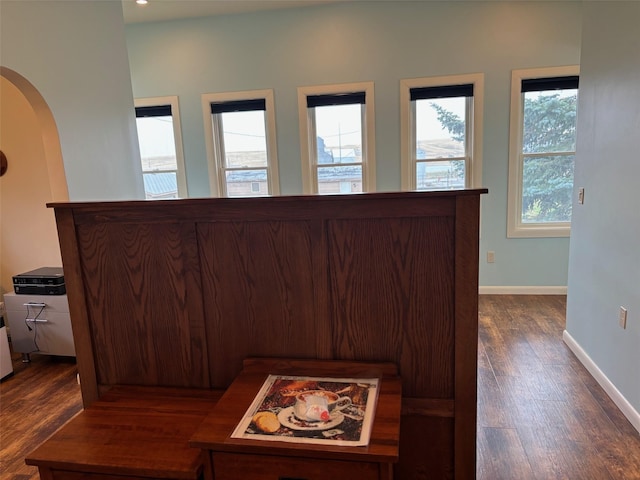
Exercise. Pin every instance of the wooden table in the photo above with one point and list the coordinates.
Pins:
(131, 432)
(249, 459)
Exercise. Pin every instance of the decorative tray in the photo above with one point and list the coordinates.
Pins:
(281, 411)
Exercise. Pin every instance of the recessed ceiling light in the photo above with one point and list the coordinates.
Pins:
(142, 2)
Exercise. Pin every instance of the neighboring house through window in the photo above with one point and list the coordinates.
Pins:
(441, 129)
(542, 151)
(241, 143)
(160, 140)
(337, 138)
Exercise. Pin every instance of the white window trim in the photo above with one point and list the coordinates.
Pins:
(308, 142)
(172, 100)
(214, 159)
(407, 127)
(515, 227)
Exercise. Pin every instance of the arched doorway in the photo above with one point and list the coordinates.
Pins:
(48, 130)
(35, 176)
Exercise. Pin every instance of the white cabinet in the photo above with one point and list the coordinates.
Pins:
(6, 367)
(39, 324)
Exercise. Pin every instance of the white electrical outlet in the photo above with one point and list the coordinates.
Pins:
(622, 317)
(491, 256)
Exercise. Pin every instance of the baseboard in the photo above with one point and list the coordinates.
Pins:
(627, 409)
(526, 290)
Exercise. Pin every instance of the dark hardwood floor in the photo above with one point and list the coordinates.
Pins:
(34, 402)
(540, 413)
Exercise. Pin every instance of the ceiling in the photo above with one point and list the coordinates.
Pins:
(161, 10)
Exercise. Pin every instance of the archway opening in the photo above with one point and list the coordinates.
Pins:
(48, 130)
(34, 177)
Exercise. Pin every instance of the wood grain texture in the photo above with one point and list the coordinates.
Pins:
(426, 448)
(179, 293)
(48, 474)
(319, 367)
(259, 285)
(384, 279)
(466, 334)
(541, 415)
(78, 312)
(138, 431)
(429, 407)
(35, 401)
(372, 205)
(145, 305)
(43, 395)
(229, 466)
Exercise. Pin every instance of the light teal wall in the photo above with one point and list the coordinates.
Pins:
(604, 265)
(74, 54)
(377, 41)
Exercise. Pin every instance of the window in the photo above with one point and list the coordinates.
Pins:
(241, 148)
(158, 123)
(542, 151)
(441, 128)
(337, 138)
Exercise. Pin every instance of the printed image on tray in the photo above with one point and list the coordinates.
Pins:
(333, 411)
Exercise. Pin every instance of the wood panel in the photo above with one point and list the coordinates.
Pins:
(78, 310)
(230, 466)
(320, 368)
(144, 301)
(385, 278)
(260, 283)
(466, 334)
(426, 449)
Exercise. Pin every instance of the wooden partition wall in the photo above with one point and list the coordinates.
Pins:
(179, 292)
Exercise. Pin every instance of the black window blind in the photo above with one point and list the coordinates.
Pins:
(239, 106)
(335, 99)
(153, 111)
(549, 83)
(443, 91)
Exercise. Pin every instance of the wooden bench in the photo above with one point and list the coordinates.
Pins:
(131, 432)
(179, 292)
